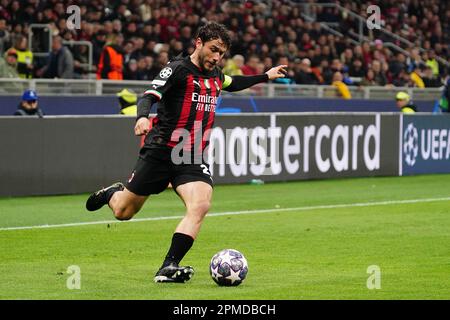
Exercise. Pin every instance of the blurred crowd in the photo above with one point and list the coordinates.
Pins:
(134, 39)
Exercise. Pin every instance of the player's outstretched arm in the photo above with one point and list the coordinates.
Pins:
(237, 83)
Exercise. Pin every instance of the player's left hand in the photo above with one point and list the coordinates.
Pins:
(142, 126)
(277, 72)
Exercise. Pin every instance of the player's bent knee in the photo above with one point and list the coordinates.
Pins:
(200, 208)
(124, 214)
(123, 218)
(205, 207)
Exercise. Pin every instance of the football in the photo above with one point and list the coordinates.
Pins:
(228, 268)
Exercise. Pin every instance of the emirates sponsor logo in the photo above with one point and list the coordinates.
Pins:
(205, 102)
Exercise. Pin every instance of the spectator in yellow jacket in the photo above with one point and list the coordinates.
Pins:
(24, 57)
(417, 79)
(233, 66)
(342, 88)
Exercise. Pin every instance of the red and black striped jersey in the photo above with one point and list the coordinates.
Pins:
(187, 99)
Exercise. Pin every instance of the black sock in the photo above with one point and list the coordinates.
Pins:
(181, 243)
(109, 193)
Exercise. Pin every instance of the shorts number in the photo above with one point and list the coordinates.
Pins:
(205, 169)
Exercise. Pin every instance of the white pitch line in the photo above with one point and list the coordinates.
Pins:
(230, 213)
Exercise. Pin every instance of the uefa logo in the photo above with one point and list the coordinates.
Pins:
(410, 144)
(165, 73)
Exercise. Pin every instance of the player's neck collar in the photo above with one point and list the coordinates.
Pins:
(205, 72)
(189, 58)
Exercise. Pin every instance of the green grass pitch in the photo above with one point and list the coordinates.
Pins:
(303, 240)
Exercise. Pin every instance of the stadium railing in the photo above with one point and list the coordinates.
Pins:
(92, 87)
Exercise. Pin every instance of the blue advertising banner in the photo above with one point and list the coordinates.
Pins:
(425, 144)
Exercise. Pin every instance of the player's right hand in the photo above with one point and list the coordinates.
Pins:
(277, 72)
(142, 126)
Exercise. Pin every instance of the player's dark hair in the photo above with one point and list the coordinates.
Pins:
(213, 31)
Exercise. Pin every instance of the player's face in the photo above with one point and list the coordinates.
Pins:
(211, 52)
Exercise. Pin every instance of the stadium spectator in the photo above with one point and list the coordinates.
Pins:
(414, 61)
(145, 69)
(233, 66)
(128, 49)
(329, 71)
(149, 49)
(404, 103)
(432, 62)
(24, 57)
(186, 37)
(250, 67)
(15, 14)
(4, 36)
(145, 10)
(176, 48)
(141, 72)
(379, 74)
(268, 63)
(369, 79)
(29, 105)
(317, 70)
(356, 69)
(366, 53)
(110, 65)
(416, 77)
(98, 43)
(130, 72)
(8, 66)
(341, 87)
(130, 30)
(146, 32)
(429, 79)
(403, 79)
(138, 49)
(292, 51)
(358, 53)
(303, 72)
(288, 76)
(60, 62)
(80, 61)
(128, 102)
(163, 59)
(347, 57)
(152, 69)
(397, 64)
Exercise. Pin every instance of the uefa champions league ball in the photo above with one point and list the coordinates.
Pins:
(228, 267)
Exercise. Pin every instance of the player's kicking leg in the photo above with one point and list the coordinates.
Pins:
(148, 177)
(197, 198)
(123, 203)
